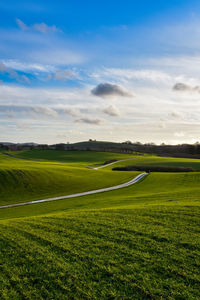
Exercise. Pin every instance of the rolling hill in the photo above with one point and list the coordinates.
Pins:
(139, 242)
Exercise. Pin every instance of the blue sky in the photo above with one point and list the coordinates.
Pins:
(108, 70)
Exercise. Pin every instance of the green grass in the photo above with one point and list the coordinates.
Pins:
(150, 253)
(81, 157)
(161, 161)
(22, 180)
(98, 158)
(139, 242)
(155, 189)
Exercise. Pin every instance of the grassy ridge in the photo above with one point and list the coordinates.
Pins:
(161, 161)
(156, 189)
(22, 180)
(89, 157)
(83, 157)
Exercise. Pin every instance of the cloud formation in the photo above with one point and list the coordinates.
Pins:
(40, 27)
(182, 87)
(176, 115)
(5, 69)
(111, 111)
(109, 90)
(12, 110)
(89, 121)
(24, 66)
(64, 75)
(21, 25)
(68, 111)
(13, 74)
(44, 111)
(122, 75)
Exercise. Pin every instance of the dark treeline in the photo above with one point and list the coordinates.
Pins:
(151, 168)
(183, 150)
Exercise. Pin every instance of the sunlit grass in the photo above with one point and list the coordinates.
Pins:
(139, 242)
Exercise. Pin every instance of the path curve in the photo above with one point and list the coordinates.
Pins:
(133, 181)
(115, 162)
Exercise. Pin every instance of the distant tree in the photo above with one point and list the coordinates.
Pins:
(60, 146)
(137, 143)
(128, 143)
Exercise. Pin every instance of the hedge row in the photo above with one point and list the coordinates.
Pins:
(149, 168)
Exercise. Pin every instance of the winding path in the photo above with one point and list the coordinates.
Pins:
(115, 162)
(133, 181)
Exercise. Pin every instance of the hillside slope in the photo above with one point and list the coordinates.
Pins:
(140, 242)
(22, 180)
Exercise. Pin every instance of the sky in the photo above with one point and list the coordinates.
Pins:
(107, 70)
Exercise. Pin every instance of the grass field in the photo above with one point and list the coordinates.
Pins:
(80, 157)
(139, 242)
(89, 158)
(22, 180)
(161, 161)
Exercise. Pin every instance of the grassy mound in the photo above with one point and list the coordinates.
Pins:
(22, 180)
(161, 161)
(84, 157)
(155, 189)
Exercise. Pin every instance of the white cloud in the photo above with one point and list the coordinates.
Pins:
(111, 111)
(182, 68)
(68, 111)
(182, 87)
(41, 27)
(5, 69)
(21, 25)
(64, 75)
(44, 111)
(25, 79)
(179, 134)
(176, 115)
(24, 126)
(44, 28)
(28, 110)
(89, 121)
(11, 66)
(109, 90)
(13, 73)
(134, 74)
(24, 66)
